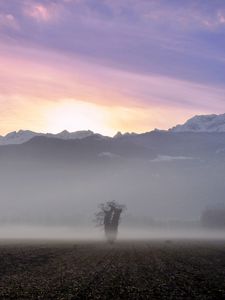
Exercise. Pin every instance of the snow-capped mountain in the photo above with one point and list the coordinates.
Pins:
(66, 135)
(202, 123)
(119, 134)
(18, 137)
(22, 136)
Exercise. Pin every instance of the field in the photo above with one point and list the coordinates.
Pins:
(126, 270)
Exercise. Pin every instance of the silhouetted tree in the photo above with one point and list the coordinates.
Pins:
(109, 217)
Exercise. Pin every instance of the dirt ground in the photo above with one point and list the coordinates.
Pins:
(125, 270)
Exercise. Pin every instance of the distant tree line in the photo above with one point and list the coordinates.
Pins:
(213, 217)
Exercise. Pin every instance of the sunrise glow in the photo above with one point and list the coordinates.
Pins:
(77, 115)
(67, 65)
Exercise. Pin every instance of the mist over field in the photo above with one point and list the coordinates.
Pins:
(112, 149)
(72, 74)
(51, 188)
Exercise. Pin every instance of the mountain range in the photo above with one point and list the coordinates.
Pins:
(201, 123)
(22, 136)
(165, 174)
(182, 143)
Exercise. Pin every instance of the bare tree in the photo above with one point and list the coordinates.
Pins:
(109, 216)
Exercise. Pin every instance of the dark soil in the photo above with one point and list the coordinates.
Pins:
(126, 270)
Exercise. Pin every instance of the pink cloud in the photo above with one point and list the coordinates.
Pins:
(42, 13)
(221, 17)
(8, 20)
(130, 102)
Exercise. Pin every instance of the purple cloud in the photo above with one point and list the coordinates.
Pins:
(133, 52)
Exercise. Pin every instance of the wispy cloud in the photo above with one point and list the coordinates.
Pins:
(221, 17)
(132, 102)
(136, 58)
(8, 21)
(40, 12)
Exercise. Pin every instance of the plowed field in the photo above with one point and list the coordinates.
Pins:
(125, 270)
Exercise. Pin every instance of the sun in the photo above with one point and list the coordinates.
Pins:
(77, 115)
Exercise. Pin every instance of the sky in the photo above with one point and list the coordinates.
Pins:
(110, 65)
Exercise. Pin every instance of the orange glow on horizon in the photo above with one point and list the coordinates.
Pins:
(55, 93)
(77, 115)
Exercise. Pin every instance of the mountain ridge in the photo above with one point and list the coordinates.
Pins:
(198, 124)
(22, 136)
(202, 123)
